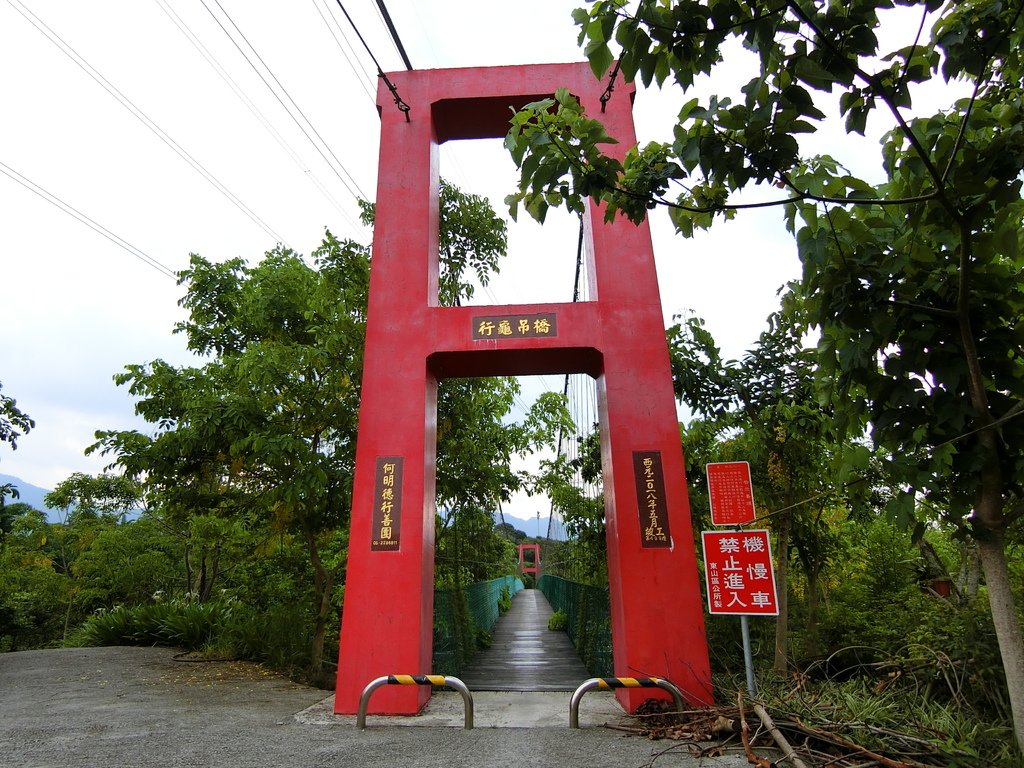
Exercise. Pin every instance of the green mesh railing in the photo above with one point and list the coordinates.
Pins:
(589, 620)
(462, 617)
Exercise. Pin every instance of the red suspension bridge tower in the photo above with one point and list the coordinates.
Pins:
(618, 338)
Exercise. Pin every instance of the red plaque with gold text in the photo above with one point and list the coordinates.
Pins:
(489, 327)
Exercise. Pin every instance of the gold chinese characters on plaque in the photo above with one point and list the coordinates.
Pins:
(387, 504)
(492, 327)
(650, 496)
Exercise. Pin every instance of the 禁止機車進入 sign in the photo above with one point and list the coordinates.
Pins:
(739, 574)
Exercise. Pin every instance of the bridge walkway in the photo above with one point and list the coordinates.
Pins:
(525, 654)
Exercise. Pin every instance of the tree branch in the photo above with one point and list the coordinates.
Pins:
(886, 96)
(937, 311)
(974, 96)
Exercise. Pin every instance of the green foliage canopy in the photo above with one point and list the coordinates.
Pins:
(913, 282)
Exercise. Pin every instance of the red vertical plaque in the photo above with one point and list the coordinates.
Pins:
(650, 497)
(730, 492)
(387, 505)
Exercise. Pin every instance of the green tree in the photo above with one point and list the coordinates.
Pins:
(93, 505)
(131, 563)
(476, 442)
(471, 239)
(112, 497)
(511, 533)
(9, 515)
(913, 281)
(14, 423)
(263, 436)
(567, 482)
(35, 592)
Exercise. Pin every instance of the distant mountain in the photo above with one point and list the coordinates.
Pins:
(31, 495)
(529, 527)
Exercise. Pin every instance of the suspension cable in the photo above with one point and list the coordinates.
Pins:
(394, 33)
(402, 106)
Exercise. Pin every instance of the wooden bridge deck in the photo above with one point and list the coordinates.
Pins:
(525, 654)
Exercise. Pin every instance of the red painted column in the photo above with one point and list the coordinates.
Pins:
(389, 599)
(618, 337)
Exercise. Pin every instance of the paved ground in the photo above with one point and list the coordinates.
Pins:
(112, 707)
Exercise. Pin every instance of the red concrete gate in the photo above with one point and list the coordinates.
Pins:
(412, 343)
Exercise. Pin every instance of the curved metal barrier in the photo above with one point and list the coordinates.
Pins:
(608, 683)
(451, 682)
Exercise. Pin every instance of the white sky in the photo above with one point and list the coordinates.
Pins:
(77, 308)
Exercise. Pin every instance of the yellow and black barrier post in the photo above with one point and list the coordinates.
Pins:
(440, 680)
(610, 683)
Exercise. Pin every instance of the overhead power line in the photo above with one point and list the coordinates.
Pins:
(69, 209)
(322, 147)
(253, 109)
(331, 22)
(128, 104)
(380, 72)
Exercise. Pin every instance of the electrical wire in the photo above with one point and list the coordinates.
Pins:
(253, 109)
(69, 209)
(350, 60)
(322, 148)
(128, 104)
(402, 106)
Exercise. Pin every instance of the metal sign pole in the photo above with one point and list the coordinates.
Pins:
(748, 657)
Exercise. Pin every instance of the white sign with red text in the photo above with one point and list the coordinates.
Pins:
(739, 574)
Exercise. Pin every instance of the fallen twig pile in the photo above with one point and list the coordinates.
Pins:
(785, 740)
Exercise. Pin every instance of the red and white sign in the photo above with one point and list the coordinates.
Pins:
(730, 492)
(738, 573)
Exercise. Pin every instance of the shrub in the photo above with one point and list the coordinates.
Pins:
(192, 625)
(177, 623)
(558, 622)
(504, 601)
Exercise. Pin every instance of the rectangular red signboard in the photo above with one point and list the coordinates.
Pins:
(739, 574)
(730, 492)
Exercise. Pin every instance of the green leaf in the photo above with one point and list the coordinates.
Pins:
(809, 71)
(600, 57)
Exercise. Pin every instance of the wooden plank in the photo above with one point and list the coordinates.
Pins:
(525, 655)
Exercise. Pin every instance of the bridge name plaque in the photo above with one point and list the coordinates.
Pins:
(490, 327)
